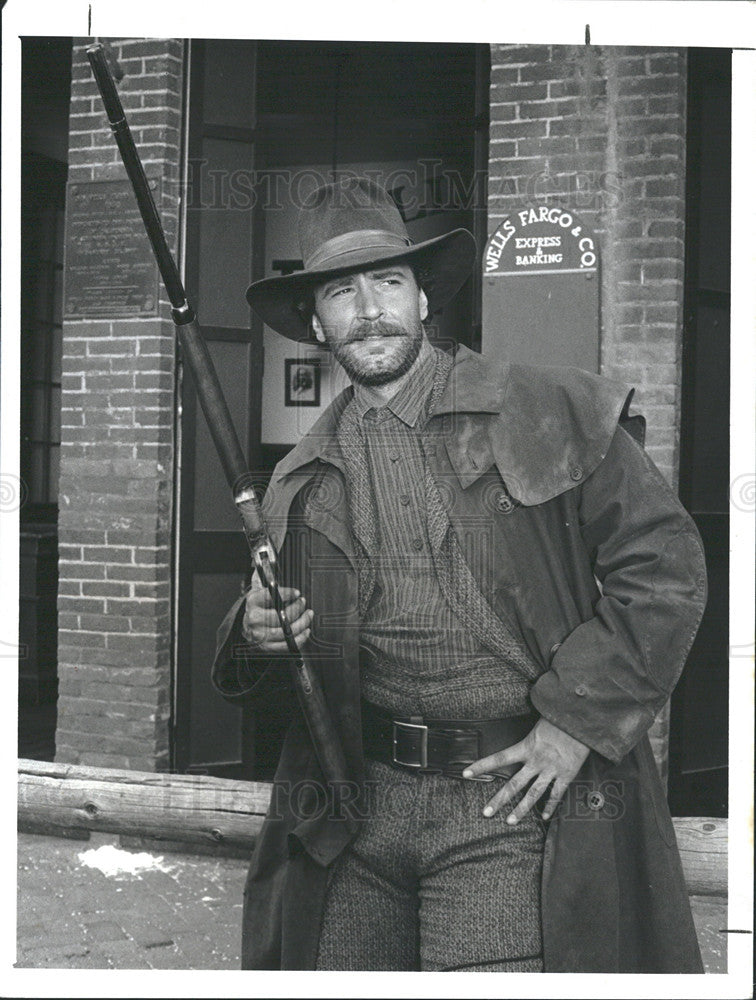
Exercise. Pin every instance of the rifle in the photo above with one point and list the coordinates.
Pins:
(194, 350)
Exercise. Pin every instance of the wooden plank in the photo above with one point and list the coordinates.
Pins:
(703, 850)
(201, 809)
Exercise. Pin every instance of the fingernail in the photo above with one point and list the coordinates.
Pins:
(511, 820)
(488, 811)
(467, 774)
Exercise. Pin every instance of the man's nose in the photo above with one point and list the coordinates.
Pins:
(368, 303)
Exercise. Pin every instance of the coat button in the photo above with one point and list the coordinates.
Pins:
(504, 502)
(394, 456)
(417, 544)
(580, 691)
(576, 473)
(404, 500)
(595, 800)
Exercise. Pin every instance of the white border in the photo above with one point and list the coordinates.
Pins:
(10, 283)
(673, 23)
(680, 23)
(742, 534)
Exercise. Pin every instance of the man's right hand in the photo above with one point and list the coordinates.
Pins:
(260, 625)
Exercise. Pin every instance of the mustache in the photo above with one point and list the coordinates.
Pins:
(380, 328)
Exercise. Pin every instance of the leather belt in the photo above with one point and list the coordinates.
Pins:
(440, 746)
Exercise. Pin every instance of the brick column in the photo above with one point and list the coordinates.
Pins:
(117, 456)
(602, 131)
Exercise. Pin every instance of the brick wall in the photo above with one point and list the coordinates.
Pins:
(602, 131)
(117, 455)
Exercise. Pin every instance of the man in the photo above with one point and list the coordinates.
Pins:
(498, 592)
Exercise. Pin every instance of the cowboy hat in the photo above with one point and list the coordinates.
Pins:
(353, 224)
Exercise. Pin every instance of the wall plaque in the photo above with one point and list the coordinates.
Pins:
(109, 269)
(541, 289)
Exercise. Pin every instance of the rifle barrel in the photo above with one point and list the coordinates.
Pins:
(194, 350)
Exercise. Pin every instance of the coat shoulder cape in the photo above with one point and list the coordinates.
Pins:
(546, 429)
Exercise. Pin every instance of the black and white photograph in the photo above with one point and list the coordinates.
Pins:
(377, 500)
(302, 386)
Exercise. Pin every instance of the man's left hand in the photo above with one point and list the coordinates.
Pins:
(549, 756)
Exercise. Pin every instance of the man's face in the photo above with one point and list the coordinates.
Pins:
(372, 322)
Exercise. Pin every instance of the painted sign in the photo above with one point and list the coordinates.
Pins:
(542, 240)
(541, 289)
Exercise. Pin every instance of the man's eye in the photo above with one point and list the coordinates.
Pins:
(340, 291)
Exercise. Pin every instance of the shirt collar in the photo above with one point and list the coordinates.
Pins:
(409, 400)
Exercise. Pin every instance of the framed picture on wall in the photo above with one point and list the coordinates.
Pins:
(302, 382)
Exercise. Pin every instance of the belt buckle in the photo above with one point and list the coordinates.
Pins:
(415, 730)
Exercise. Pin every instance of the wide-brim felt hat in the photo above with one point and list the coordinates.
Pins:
(354, 224)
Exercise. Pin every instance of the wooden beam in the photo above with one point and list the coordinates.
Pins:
(184, 807)
(204, 810)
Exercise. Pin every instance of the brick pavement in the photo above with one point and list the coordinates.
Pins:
(184, 914)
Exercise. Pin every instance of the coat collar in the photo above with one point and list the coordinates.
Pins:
(474, 386)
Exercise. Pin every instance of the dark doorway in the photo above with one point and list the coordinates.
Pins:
(699, 736)
(267, 120)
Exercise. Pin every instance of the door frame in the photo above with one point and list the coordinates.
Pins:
(225, 551)
(702, 792)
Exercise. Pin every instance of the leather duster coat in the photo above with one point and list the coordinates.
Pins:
(597, 570)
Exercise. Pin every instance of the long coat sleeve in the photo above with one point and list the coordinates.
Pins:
(611, 675)
(238, 673)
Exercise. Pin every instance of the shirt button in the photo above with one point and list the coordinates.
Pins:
(417, 544)
(580, 691)
(576, 473)
(404, 500)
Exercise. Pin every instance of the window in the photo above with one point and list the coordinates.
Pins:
(42, 224)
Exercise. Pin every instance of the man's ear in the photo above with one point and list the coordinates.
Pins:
(422, 301)
(317, 329)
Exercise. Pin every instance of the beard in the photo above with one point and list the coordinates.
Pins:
(376, 369)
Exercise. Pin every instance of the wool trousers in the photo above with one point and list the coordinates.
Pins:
(431, 884)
